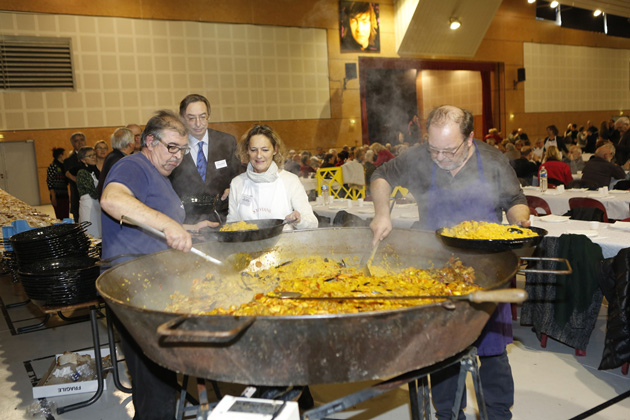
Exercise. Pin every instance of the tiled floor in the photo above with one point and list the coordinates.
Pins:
(551, 383)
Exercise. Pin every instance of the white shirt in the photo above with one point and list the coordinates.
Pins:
(273, 200)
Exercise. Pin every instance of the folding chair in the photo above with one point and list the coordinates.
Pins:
(536, 203)
(578, 202)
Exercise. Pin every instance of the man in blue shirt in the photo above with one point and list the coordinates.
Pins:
(138, 186)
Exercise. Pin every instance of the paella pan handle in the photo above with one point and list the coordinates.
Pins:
(568, 270)
(173, 331)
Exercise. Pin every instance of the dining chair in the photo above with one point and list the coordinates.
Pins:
(578, 202)
(536, 203)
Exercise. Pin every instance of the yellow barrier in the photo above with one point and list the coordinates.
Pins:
(333, 177)
(403, 191)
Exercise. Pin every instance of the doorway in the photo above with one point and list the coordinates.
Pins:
(370, 67)
(18, 170)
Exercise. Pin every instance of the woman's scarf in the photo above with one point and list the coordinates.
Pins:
(268, 176)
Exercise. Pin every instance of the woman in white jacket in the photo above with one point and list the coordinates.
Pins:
(265, 190)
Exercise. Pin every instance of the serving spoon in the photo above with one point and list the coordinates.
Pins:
(367, 266)
(498, 295)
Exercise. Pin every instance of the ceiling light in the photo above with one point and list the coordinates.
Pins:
(553, 4)
(455, 23)
(531, 1)
(597, 12)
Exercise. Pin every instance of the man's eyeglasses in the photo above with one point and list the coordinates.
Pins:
(449, 154)
(174, 149)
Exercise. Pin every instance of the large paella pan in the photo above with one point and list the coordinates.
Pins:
(299, 350)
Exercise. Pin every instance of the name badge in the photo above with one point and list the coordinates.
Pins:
(246, 200)
(220, 164)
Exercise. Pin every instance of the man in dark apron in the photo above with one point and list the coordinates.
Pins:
(455, 178)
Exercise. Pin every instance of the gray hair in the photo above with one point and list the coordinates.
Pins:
(84, 151)
(121, 138)
(621, 121)
(447, 114)
(73, 137)
(162, 121)
(606, 147)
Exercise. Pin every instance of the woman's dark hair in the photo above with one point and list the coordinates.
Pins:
(343, 155)
(58, 151)
(553, 129)
(328, 157)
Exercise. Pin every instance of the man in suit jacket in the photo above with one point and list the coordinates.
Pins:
(219, 161)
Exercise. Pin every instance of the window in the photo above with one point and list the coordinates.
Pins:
(35, 63)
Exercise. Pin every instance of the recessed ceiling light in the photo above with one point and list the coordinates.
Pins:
(455, 23)
(553, 4)
(597, 12)
(531, 1)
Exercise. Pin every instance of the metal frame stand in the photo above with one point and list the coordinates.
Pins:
(419, 394)
(48, 312)
(95, 310)
(417, 381)
(202, 407)
(99, 367)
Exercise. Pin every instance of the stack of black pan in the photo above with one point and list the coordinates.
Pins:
(55, 266)
(9, 260)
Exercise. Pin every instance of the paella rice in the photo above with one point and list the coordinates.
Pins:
(485, 230)
(325, 277)
(236, 226)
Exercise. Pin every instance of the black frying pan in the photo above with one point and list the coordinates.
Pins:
(493, 245)
(267, 228)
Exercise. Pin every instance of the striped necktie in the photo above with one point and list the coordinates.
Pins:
(202, 163)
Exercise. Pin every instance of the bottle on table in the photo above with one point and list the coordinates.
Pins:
(325, 195)
(543, 179)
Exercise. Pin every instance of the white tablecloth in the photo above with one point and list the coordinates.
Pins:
(309, 183)
(617, 202)
(403, 215)
(611, 240)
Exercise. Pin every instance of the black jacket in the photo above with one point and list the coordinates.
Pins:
(111, 158)
(599, 171)
(525, 168)
(223, 165)
(615, 284)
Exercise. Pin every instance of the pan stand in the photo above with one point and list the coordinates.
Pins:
(419, 395)
(419, 398)
(201, 408)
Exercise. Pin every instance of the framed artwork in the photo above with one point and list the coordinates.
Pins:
(359, 29)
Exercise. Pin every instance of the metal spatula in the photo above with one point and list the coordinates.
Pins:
(162, 235)
(367, 266)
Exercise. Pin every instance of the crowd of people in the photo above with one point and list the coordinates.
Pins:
(561, 154)
(83, 171)
(305, 164)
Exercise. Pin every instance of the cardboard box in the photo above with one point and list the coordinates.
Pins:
(44, 390)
